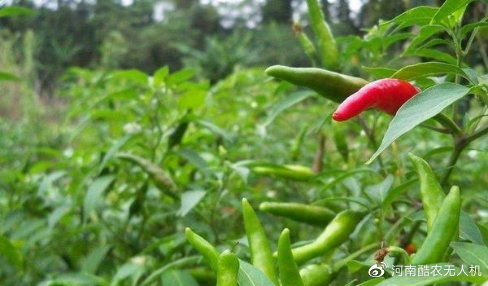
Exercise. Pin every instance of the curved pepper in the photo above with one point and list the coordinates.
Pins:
(431, 191)
(387, 94)
(316, 274)
(314, 215)
(228, 269)
(289, 274)
(445, 227)
(336, 233)
(331, 85)
(209, 253)
(261, 255)
(293, 172)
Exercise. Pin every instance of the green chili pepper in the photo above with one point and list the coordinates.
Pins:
(314, 215)
(430, 189)
(177, 135)
(297, 143)
(445, 227)
(228, 269)
(161, 179)
(316, 275)
(289, 275)
(261, 255)
(294, 172)
(325, 40)
(209, 253)
(305, 42)
(331, 85)
(335, 234)
(340, 140)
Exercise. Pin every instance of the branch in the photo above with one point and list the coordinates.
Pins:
(448, 123)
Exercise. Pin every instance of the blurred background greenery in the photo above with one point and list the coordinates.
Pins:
(213, 36)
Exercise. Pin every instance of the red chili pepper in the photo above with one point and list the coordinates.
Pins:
(387, 94)
(410, 248)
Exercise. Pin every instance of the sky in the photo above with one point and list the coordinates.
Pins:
(354, 4)
(227, 8)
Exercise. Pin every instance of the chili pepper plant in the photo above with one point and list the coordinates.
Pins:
(417, 216)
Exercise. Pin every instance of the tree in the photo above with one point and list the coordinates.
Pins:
(278, 11)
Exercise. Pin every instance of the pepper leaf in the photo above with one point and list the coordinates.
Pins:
(420, 15)
(7, 76)
(285, 103)
(449, 7)
(418, 109)
(421, 70)
(251, 276)
(12, 11)
(472, 254)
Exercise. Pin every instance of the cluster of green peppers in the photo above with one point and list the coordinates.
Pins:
(442, 214)
(226, 265)
(442, 211)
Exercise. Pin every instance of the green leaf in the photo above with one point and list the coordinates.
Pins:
(418, 109)
(195, 159)
(251, 276)
(379, 72)
(10, 252)
(126, 271)
(178, 278)
(192, 99)
(416, 16)
(469, 27)
(15, 11)
(215, 129)
(392, 194)
(132, 75)
(94, 195)
(424, 33)
(471, 75)
(420, 70)
(285, 103)
(160, 76)
(389, 40)
(449, 7)
(469, 230)
(111, 152)
(7, 76)
(93, 260)
(189, 200)
(55, 216)
(181, 76)
(433, 54)
(472, 254)
(182, 262)
(380, 191)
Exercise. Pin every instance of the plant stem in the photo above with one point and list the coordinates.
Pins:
(477, 134)
(400, 251)
(448, 123)
(372, 139)
(459, 145)
(343, 262)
